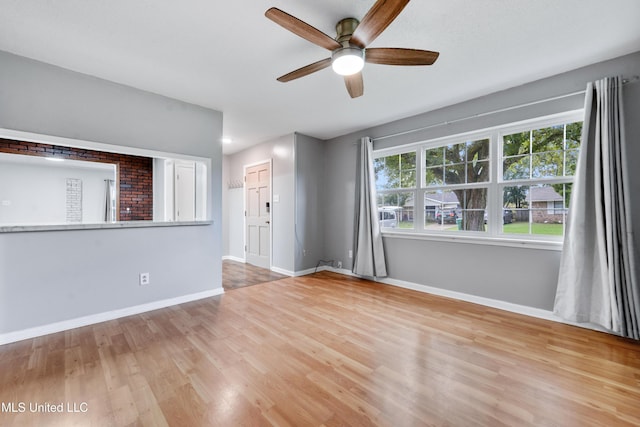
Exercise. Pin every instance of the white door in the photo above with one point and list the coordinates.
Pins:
(185, 192)
(258, 215)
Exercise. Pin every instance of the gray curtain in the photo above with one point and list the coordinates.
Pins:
(597, 281)
(368, 259)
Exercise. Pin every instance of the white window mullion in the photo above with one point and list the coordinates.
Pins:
(418, 203)
(494, 197)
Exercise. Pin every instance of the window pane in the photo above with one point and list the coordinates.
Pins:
(516, 167)
(459, 210)
(441, 210)
(395, 210)
(548, 139)
(434, 156)
(554, 152)
(571, 161)
(382, 176)
(515, 210)
(396, 171)
(538, 209)
(478, 161)
(458, 163)
(473, 208)
(433, 176)
(479, 171)
(515, 144)
(477, 150)
(408, 160)
(545, 165)
(408, 178)
(454, 174)
(574, 133)
(515, 197)
(454, 153)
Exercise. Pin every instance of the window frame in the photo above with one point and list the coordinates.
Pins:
(495, 185)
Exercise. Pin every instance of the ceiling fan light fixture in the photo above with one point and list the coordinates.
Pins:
(347, 60)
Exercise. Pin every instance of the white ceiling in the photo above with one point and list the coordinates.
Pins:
(227, 55)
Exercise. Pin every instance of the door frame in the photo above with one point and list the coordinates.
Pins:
(244, 206)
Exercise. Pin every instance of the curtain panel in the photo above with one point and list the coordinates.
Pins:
(597, 281)
(368, 250)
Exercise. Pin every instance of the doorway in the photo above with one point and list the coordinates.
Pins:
(258, 214)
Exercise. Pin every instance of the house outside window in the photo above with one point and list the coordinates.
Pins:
(509, 182)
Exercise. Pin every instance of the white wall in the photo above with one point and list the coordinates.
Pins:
(53, 276)
(235, 224)
(35, 193)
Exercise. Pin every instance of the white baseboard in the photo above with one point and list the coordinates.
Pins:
(282, 271)
(234, 258)
(488, 302)
(312, 270)
(299, 273)
(78, 322)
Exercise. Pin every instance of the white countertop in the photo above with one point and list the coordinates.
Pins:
(107, 225)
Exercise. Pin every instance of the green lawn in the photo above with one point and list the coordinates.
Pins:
(513, 228)
(536, 228)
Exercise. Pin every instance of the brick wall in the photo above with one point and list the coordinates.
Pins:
(135, 173)
(540, 214)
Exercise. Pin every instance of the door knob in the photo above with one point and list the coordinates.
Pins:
(268, 222)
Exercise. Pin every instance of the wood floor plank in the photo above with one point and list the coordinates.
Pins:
(325, 350)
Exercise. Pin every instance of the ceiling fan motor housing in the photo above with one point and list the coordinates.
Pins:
(345, 30)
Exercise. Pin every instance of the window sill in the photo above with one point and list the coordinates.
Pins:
(552, 245)
(110, 225)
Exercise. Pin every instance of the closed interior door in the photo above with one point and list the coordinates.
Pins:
(185, 192)
(258, 216)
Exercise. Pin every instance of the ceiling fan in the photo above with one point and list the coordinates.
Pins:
(349, 49)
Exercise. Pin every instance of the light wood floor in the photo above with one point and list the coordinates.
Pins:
(325, 350)
(238, 275)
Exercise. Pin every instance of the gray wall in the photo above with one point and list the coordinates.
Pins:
(47, 277)
(281, 151)
(311, 217)
(517, 275)
(298, 174)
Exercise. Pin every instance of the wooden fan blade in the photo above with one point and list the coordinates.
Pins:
(306, 70)
(355, 85)
(301, 29)
(381, 14)
(398, 56)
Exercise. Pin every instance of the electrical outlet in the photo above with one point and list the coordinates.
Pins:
(145, 279)
(350, 253)
(339, 264)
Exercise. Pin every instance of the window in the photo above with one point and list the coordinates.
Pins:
(394, 175)
(542, 161)
(455, 183)
(555, 207)
(510, 182)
